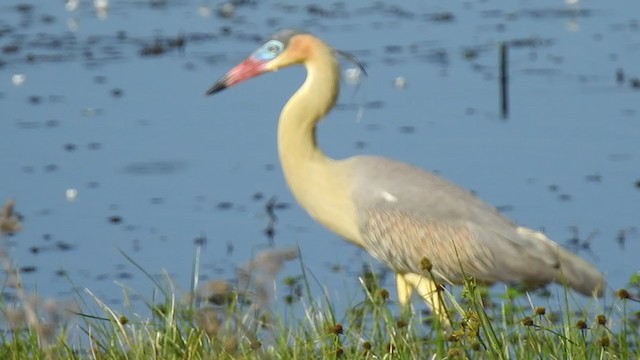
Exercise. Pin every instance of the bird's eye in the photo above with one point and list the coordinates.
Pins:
(274, 47)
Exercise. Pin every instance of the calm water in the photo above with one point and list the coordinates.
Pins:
(108, 143)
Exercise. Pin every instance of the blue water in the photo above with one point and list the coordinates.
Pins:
(157, 165)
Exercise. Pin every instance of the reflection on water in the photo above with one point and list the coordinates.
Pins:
(108, 143)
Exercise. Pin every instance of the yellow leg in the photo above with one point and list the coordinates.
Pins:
(428, 290)
(404, 290)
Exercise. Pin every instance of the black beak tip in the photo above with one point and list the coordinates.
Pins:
(217, 87)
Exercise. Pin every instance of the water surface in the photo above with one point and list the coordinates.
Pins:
(108, 143)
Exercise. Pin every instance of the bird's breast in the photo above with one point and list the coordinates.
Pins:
(324, 191)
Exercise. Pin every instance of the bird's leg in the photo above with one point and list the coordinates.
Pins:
(404, 290)
(429, 291)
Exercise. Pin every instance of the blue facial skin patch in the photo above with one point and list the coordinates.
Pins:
(269, 50)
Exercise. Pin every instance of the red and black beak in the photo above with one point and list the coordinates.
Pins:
(247, 69)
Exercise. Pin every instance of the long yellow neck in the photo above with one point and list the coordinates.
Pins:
(297, 126)
(318, 182)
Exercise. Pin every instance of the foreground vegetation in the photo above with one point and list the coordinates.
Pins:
(217, 320)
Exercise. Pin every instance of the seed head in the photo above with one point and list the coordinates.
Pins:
(540, 311)
(384, 294)
(289, 281)
(527, 321)
(336, 329)
(425, 264)
(265, 320)
(288, 299)
(601, 320)
(623, 294)
(455, 353)
(581, 324)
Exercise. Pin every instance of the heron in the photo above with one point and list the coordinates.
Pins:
(409, 219)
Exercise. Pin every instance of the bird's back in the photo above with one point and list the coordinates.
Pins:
(379, 182)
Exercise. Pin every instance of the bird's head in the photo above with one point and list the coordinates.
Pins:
(285, 48)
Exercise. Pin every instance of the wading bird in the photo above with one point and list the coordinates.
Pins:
(407, 218)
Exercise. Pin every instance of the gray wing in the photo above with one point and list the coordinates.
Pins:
(405, 214)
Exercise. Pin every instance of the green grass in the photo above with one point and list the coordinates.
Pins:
(216, 320)
(227, 324)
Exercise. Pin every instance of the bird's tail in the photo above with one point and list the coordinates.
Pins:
(579, 274)
(571, 270)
